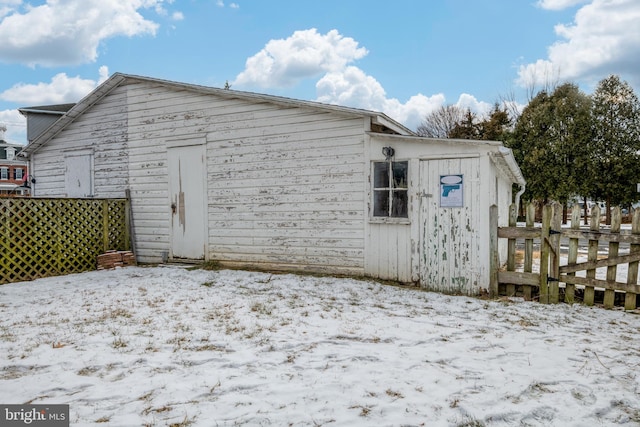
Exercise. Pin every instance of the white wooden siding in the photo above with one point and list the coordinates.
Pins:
(388, 242)
(287, 191)
(103, 130)
(284, 184)
(287, 187)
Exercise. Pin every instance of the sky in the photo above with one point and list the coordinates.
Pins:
(170, 346)
(404, 58)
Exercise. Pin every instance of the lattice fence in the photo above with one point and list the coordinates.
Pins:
(44, 237)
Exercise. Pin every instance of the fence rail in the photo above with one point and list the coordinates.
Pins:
(553, 280)
(44, 237)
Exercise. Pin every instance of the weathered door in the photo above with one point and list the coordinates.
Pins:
(449, 258)
(187, 180)
(78, 176)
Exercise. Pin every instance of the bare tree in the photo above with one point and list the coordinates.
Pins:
(509, 102)
(440, 122)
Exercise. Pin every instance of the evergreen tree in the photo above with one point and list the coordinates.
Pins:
(550, 143)
(467, 128)
(496, 127)
(616, 142)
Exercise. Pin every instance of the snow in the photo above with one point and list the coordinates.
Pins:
(159, 346)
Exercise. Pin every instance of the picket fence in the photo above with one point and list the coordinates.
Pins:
(44, 237)
(559, 276)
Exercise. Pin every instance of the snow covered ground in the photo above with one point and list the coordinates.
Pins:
(158, 346)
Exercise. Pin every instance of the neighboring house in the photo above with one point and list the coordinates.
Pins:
(13, 170)
(275, 183)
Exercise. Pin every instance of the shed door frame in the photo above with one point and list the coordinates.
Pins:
(188, 199)
(79, 173)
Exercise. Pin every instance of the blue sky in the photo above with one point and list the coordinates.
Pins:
(404, 58)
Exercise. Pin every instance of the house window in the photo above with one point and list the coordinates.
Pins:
(18, 174)
(390, 189)
(4, 173)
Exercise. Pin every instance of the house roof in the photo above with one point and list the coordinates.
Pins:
(47, 109)
(117, 79)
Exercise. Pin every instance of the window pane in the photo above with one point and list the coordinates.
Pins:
(381, 203)
(400, 207)
(4, 173)
(381, 175)
(400, 174)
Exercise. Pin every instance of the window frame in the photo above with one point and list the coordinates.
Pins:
(5, 174)
(392, 189)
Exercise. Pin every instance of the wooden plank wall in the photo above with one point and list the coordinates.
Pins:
(284, 184)
(103, 130)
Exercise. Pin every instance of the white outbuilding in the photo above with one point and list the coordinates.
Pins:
(267, 182)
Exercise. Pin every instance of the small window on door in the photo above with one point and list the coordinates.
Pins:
(390, 189)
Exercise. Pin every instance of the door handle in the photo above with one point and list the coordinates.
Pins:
(174, 208)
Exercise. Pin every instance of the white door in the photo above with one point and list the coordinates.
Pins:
(78, 176)
(449, 258)
(188, 201)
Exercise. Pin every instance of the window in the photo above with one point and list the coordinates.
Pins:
(390, 189)
(4, 173)
(18, 174)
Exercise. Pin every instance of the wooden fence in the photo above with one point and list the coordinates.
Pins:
(556, 245)
(44, 237)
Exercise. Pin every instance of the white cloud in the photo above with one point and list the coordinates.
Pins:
(304, 54)
(234, 6)
(16, 126)
(66, 32)
(8, 6)
(603, 39)
(352, 87)
(308, 54)
(61, 89)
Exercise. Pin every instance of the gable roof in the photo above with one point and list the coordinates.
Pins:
(118, 79)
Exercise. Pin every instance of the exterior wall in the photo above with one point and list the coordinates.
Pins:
(9, 185)
(284, 184)
(100, 132)
(38, 123)
(396, 248)
(286, 187)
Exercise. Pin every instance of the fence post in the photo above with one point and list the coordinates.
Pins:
(612, 270)
(632, 275)
(570, 288)
(554, 246)
(511, 248)
(547, 211)
(592, 255)
(494, 259)
(105, 225)
(131, 236)
(528, 249)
